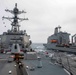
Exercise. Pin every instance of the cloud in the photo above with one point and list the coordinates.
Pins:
(44, 16)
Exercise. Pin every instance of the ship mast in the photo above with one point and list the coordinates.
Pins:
(15, 19)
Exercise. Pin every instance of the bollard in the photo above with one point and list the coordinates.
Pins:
(10, 72)
(39, 62)
(15, 65)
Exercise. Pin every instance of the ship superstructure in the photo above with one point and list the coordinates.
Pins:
(15, 35)
(60, 41)
(59, 38)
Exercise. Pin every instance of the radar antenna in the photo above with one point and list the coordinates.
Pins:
(15, 19)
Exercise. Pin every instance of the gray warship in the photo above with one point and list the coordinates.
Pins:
(15, 35)
(35, 62)
(61, 41)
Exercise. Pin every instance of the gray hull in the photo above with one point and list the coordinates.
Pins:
(63, 49)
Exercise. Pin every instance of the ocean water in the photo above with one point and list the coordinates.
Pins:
(37, 46)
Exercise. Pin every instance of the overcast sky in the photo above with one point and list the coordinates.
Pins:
(44, 16)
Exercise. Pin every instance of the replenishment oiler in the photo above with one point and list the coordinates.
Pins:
(60, 41)
(15, 42)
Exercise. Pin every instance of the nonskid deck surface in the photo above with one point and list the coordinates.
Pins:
(12, 68)
(48, 66)
(8, 67)
(67, 61)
